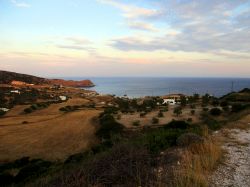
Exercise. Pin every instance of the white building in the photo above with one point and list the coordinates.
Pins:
(15, 91)
(63, 98)
(169, 101)
(4, 109)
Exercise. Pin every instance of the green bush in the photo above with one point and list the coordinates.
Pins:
(143, 114)
(215, 111)
(34, 107)
(32, 170)
(177, 125)
(192, 112)
(28, 110)
(192, 106)
(159, 139)
(136, 123)
(2, 113)
(205, 109)
(160, 114)
(224, 103)
(155, 120)
(108, 126)
(6, 179)
(210, 122)
(178, 111)
(239, 107)
(76, 158)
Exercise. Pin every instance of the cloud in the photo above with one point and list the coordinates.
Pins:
(76, 43)
(76, 47)
(20, 4)
(199, 26)
(79, 40)
(131, 11)
(142, 26)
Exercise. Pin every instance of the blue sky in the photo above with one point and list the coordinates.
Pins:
(126, 38)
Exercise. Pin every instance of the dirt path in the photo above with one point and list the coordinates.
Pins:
(235, 170)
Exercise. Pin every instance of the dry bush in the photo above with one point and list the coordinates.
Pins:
(196, 163)
(238, 125)
(124, 165)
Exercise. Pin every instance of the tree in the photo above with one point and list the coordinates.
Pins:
(196, 97)
(183, 100)
(160, 114)
(155, 120)
(215, 111)
(178, 111)
(205, 99)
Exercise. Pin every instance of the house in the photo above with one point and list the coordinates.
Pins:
(169, 101)
(4, 109)
(15, 91)
(63, 98)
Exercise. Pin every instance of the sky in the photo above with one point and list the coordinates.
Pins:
(181, 38)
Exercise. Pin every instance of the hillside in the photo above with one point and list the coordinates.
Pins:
(7, 77)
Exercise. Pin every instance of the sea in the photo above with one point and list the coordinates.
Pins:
(135, 87)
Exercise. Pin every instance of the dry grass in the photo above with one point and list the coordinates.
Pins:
(128, 119)
(50, 134)
(197, 162)
(243, 121)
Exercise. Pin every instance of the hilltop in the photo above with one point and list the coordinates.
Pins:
(7, 77)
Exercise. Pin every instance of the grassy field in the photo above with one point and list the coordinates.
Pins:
(128, 119)
(49, 133)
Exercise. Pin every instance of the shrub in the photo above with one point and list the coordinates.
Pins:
(34, 107)
(155, 120)
(183, 101)
(111, 110)
(2, 113)
(205, 99)
(160, 114)
(192, 112)
(108, 126)
(143, 114)
(187, 139)
(27, 110)
(33, 169)
(63, 109)
(119, 116)
(224, 103)
(225, 108)
(178, 111)
(238, 107)
(159, 139)
(6, 179)
(192, 106)
(210, 122)
(189, 120)
(215, 102)
(124, 165)
(136, 123)
(165, 109)
(177, 125)
(215, 111)
(205, 109)
(76, 158)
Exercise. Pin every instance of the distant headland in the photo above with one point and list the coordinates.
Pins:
(18, 79)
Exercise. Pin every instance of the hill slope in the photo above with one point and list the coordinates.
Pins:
(7, 77)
